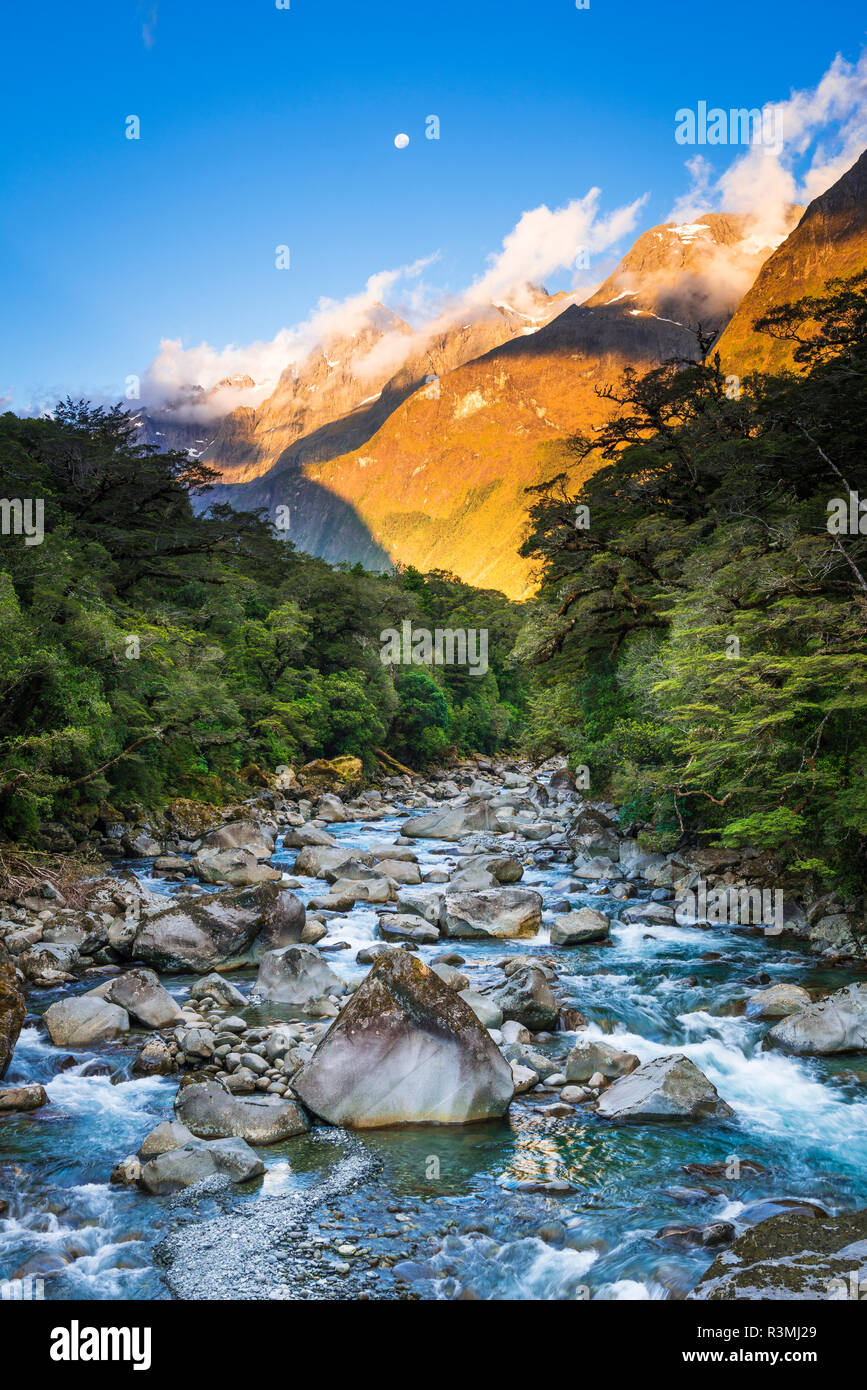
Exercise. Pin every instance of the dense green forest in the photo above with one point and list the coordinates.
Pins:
(147, 652)
(700, 640)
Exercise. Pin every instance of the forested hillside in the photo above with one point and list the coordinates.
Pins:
(701, 634)
(149, 652)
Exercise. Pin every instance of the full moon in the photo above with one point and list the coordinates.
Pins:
(401, 141)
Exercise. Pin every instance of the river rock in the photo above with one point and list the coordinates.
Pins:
(331, 809)
(47, 964)
(296, 975)
(168, 1135)
(485, 1009)
(30, 1097)
(421, 902)
(317, 861)
(201, 1158)
(575, 928)
(232, 929)
(241, 834)
(377, 890)
(505, 868)
(450, 976)
(778, 1002)
(503, 913)
(454, 822)
(239, 867)
(405, 1050)
(12, 1012)
(155, 1059)
(404, 927)
(526, 998)
(791, 1258)
(85, 1019)
(218, 988)
(598, 868)
(591, 1055)
(472, 880)
(209, 1112)
(668, 1088)
(144, 998)
(298, 837)
(836, 1024)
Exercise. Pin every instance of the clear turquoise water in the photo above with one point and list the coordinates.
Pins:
(804, 1120)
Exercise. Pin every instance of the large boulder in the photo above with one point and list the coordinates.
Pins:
(12, 1012)
(405, 1050)
(321, 861)
(296, 975)
(576, 928)
(778, 1002)
(400, 926)
(31, 1097)
(239, 867)
(209, 1112)
(221, 990)
(47, 963)
(423, 902)
(836, 1024)
(668, 1088)
(297, 837)
(85, 1019)
(144, 998)
(791, 1257)
(505, 868)
(494, 912)
(241, 834)
(526, 998)
(201, 1158)
(591, 1055)
(454, 822)
(219, 930)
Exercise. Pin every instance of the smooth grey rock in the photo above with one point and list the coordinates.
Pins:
(209, 1112)
(179, 1168)
(503, 913)
(296, 975)
(590, 1055)
(405, 1050)
(576, 928)
(526, 998)
(835, 1024)
(668, 1088)
(85, 1019)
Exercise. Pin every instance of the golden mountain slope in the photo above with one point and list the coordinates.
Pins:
(829, 241)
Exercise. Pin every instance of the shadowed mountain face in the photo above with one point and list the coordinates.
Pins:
(830, 241)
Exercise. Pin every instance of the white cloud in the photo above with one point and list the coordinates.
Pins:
(542, 243)
(823, 131)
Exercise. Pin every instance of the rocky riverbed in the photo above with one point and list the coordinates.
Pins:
(446, 1037)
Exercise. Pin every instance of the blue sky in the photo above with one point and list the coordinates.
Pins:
(262, 127)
